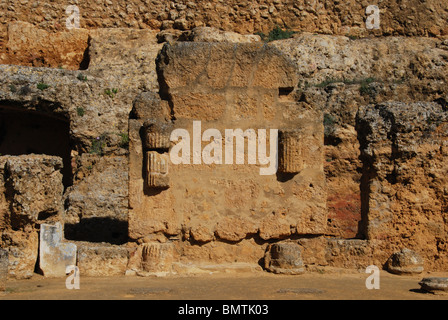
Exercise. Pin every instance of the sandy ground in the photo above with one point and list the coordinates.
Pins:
(245, 286)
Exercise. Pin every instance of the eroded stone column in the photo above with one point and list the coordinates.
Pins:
(157, 257)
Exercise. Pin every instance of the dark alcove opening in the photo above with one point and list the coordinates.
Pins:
(28, 132)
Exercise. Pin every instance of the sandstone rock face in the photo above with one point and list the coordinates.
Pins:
(32, 195)
(361, 136)
(34, 186)
(101, 259)
(338, 82)
(284, 258)
(23, 247)
(202, 233)
(97, 201)
(207, 34)
(32, 46)
(402, 148)
(412, 19)
(125, 55)
(148, 105)
(405, 262)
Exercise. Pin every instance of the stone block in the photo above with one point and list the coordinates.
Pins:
(400, 191)
(405, 262)
(199, 105)
(244, 106)
(195, 59)
(284, 258)
(157, 170)
(274, 226)
(434, 284)
(33, 46)
(35, 188)
(97, 260)
(234, 228)
(54, 254)
(278, 70)
(4, 263)
(23, 250)
(148, 105)
(201, 233)
(209, 34)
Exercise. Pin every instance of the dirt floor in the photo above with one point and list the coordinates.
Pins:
(244, 286)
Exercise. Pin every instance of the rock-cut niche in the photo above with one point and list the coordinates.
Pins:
(30, 132)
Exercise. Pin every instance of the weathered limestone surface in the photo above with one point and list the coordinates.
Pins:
(405, 262)
(97, 203)
(339, 75)
(126, 55)
(32, 195)
(157, 135)
(403, 149)
(364, 165)
(284, 258)
(54, 45)
(435, 284)
(208, 34)
(33, 46)
(23, 247)
(157, 165)
(102, 259)
(34, 188)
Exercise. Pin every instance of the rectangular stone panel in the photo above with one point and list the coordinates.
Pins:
(55, 255)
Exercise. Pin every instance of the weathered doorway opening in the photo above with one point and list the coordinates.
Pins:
(24, 131)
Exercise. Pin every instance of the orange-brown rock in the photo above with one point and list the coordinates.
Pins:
(29, 45)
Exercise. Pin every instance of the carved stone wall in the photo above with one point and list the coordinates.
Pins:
(217, 201)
